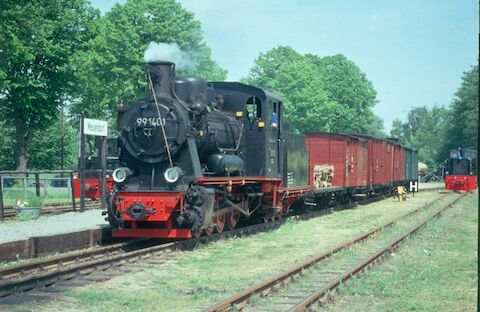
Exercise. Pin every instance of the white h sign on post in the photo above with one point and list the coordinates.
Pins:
(413, 185)
(95, 127)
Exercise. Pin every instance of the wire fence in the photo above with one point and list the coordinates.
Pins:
(53, 188)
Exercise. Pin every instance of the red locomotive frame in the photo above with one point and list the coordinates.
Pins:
(461, 182)
(163, 205)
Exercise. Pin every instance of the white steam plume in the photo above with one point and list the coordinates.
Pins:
(170, 52)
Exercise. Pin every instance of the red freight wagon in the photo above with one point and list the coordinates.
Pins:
(362, 162)
(376, 161)
(334, 160)
(399, 163)
(389, 161)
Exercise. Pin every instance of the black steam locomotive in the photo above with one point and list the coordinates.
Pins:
(184, 157)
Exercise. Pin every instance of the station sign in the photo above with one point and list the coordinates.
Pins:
(95, 127)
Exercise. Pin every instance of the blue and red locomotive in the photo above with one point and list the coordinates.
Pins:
(196, 157)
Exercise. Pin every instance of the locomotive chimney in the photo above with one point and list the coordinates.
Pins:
(162, 74)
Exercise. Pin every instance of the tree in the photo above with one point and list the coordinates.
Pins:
(46, 147)
(463, 117)
(7, 146)
(268, 65)
(112, 70)
(307, 107)
(425, 131)
(349, 87)
(38, 39)
(320, 93)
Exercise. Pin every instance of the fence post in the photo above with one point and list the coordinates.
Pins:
(82, 164)
(25, 187)
(103, 172)
(37, 184)
(2, 215)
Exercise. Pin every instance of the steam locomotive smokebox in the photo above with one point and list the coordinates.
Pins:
(140, 125)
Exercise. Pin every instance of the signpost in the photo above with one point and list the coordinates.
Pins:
(98, 128)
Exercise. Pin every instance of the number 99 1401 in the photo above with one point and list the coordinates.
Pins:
(149, 121)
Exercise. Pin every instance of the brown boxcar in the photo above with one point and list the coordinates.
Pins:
(389, 161)
(336, 160)
(399, 163)
(362, 162)
(380, 161)
(376, 153)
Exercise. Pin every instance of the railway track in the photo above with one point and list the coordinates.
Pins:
(100, 263)
(303, 286)
(94, 263)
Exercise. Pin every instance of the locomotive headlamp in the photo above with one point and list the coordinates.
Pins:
(172, 174)
(239, 114)
(119, 175)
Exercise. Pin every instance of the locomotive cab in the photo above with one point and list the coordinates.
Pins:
(261, 113)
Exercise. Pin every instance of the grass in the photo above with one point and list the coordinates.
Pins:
(434, 271)
(50, 195)
(215, 271)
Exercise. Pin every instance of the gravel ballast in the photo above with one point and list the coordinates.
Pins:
(12, 230)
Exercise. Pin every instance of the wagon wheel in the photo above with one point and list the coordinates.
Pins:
(232, 219)
(220, 223)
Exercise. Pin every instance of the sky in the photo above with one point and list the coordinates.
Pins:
(414, 52)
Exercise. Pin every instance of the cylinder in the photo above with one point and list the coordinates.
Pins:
(218, 163)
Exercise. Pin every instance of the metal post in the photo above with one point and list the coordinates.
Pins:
(73, 195)
(62, 141)
(37, 184)
(82, 164)
(103, 172)
(1, 199)
(25, 188)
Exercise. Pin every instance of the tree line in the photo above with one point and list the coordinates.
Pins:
(434, 131)
(64, 55)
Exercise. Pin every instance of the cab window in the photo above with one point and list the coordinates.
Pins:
(253, 108)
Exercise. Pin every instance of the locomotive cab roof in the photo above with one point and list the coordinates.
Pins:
(237, 92)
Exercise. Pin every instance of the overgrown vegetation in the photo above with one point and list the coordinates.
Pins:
(434, 271)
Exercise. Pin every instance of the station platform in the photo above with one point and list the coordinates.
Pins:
(14, 230)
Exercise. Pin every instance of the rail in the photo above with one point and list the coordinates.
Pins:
(243, 298)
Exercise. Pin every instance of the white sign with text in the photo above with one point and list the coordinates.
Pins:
(95, 127)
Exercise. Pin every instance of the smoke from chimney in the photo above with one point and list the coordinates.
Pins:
(169, 52)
